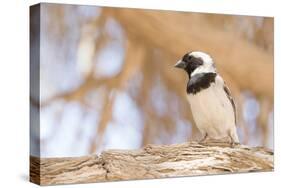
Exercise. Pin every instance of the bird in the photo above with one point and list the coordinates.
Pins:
(212, 105)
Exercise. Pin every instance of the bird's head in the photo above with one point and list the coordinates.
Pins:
(196, 62)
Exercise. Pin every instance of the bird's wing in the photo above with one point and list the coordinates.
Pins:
(229, 96)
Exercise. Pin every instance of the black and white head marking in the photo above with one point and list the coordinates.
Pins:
(195, 63)
(200, 69)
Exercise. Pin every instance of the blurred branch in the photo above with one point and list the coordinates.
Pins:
(153, 161)
(131, 66)
(79, 93)
(106, 116)
(243, 61)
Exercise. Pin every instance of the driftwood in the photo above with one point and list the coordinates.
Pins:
(153, 161)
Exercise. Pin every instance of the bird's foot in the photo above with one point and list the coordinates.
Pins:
(233, 144)
(204, 139)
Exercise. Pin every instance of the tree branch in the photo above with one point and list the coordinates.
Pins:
(187, 159)
(236, 56)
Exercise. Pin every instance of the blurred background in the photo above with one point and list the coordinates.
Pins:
(107, 79)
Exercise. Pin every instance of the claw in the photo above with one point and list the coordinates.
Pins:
(233, 144)
(203, 139)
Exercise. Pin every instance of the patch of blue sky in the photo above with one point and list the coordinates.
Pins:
(110, 60)
(64, 143)
(125, 130)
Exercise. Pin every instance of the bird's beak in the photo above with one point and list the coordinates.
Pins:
(180, 64)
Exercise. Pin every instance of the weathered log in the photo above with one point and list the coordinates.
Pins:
(66, 170)
(153, 161)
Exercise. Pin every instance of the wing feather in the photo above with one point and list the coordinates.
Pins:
(229, 96)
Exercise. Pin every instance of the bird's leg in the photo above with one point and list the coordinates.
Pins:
(233, 140)
(232, 143)
(204, 138)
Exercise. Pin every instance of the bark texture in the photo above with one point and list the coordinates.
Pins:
(153, 161)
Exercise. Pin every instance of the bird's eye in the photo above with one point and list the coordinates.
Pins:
(189, 57)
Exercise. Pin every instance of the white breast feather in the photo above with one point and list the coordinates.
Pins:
(213, 112)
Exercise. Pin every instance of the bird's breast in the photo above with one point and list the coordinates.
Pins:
(212, 110)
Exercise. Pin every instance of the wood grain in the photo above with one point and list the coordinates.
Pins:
(152, 161)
